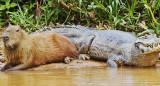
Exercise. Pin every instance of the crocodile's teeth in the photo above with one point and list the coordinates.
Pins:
(151, 46)
(146, 45)
(155, 45)
(142, 50)
(149, 49)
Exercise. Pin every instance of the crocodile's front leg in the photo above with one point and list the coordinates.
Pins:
(83, 50)
(84, 57)
(115, 61)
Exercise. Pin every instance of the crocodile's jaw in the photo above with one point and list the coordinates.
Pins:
(150, 57)
(156, 50)
(145, 60)
(144, 56)
(145, 51)
(147, 44)
(150, 48)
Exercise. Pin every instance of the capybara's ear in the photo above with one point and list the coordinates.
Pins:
(21, 25)
(2, 30)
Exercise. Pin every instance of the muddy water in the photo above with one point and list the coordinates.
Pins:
(100, 76)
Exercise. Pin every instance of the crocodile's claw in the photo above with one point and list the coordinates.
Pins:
(111, 63)
(83, 57)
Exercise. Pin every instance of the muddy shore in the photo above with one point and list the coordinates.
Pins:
(72, 64)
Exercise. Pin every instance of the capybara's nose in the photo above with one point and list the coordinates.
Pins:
(5, 37)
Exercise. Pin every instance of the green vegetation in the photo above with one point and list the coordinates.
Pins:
(127, 15)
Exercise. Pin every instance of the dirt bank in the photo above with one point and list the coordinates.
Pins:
(73, 64)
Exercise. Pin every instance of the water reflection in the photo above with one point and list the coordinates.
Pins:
(103, 76)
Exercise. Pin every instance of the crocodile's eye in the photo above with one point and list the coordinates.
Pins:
(138, 44)
(145, 37)
(17, 30)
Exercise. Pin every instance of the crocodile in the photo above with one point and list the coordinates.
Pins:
(113, 46)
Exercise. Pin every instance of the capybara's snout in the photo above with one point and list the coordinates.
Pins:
(5, 38)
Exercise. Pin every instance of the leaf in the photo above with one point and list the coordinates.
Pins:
(13, 21)
(148, 31)
(7, 4)
(158, 27)
(4, 0)
(123, 22)
(92, 6)
(2, 7)
(13, 5)
(116, 20)
(92, 14)
(143, 25)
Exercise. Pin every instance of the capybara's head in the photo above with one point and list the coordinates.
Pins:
(12, 36)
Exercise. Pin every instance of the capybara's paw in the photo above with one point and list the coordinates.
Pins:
(3, 69)
(2, 59)
(83, 57)
(67, 60)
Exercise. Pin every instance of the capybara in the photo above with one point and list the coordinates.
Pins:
(23, 51)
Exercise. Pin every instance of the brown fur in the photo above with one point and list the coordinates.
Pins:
(27, 51)
(1, 31)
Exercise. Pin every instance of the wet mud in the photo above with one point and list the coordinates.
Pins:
(72, 64)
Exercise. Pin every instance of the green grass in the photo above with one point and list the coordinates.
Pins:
(126, 15)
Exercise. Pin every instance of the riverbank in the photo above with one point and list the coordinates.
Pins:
(73, 64)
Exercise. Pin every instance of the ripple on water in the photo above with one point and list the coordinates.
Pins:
(97, 76)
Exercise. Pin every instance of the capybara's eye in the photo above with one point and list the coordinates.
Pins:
(17, 30)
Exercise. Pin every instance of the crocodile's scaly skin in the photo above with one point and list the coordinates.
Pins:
(115, 47)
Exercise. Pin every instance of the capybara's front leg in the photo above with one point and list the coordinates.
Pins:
(6, 66)
(22, 66)
(19, 67)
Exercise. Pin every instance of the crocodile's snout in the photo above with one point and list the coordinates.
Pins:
(147, 48)
(148, 44)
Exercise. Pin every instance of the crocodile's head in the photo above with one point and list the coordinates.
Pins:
(147, 44)
(145, 50)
